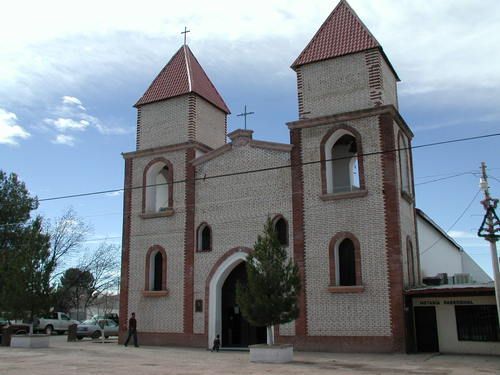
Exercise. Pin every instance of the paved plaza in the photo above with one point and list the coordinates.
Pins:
(88, 357)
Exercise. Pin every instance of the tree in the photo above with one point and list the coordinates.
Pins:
(271, 294)
(25, 261)
(67, 233)
(75, 286)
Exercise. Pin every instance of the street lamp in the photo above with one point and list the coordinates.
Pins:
(490, 230)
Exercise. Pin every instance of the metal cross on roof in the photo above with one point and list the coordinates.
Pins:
(245, 114)
(185, 34)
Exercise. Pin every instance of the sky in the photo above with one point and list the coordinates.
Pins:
(70, 73)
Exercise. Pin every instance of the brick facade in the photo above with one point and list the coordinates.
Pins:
(216, 183)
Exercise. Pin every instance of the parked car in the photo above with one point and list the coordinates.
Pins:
(92, 328)
(112, 316)
(3, 322)
(54, 322)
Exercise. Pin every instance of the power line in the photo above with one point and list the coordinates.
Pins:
(204, 178)
(444, 178)
(495, 178)
(179, 209)
(454, 223)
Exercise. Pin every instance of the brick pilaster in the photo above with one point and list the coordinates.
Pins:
(392, 230)
(124, 277)
(298, 225)
(189, 242)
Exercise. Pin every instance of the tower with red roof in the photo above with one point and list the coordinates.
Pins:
(181, 105)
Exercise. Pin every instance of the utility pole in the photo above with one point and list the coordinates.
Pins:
(490, 230)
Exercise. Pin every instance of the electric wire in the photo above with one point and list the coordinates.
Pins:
(454, 223)
(204, 178)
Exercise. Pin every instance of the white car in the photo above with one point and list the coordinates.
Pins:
(93, 328)
(55, 322)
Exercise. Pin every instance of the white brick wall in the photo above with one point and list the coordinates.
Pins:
(342, 85)
(407, 218)
(356, 314)
(236, 207)
(158, 314)
(164, 123)
(389, 89)
(335, 86)
(210, 124)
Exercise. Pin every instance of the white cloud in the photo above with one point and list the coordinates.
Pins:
(63, 139)
(65, 124)
(71, 115)
(115, 193)
(444, 45)
(10, 132)
(460, 234)
(73, 101)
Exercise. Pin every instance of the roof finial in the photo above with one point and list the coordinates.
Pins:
(245, 114)
(185, 34)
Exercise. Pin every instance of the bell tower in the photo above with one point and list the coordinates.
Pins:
(343, 68)
(353, 198)
(181, 105)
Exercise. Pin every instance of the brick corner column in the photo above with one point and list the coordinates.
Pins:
(392, 230)
(125, 266)
(298, 225)
(189, 242)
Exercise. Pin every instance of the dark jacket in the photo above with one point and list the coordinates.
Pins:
(132, 324)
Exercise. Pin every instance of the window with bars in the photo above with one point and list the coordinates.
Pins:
(477, 323)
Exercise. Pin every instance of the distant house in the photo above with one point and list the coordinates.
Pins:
(105, 304)
(439, 254)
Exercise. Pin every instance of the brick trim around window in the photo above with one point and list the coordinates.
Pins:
(153, 250)
(359, 146)
(170, 181)
(202, 226)
(357, 264)
(275, 220)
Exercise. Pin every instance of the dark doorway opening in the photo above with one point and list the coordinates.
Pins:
(236, 331)
(426, 329)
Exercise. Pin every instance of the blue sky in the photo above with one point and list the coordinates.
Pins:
(70, 75)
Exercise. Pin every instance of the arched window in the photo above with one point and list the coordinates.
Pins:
(345, 176)
(158, 184)
(156, 269)
(404, 166)
(342, 162)
(410, 262)
(345, 262)
(281, 229)
(204, 237)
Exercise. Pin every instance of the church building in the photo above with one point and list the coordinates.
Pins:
(340, 194)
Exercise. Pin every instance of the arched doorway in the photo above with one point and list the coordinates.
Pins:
(215, 282)
(236, 331)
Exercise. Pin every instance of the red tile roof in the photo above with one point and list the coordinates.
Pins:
(342, 33)
(182, 74)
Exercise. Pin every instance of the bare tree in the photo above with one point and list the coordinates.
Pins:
(67, 233)
(104, 265)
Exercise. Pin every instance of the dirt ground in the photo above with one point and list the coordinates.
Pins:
(94, 357)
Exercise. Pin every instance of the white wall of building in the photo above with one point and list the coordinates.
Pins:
(447, 324)
(440, 254)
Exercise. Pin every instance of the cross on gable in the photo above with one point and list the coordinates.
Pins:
(245, 114)
(185, 34)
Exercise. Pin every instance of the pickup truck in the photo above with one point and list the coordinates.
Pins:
(54, 322)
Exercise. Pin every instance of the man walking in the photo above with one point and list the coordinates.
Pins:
(132, 330)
